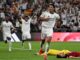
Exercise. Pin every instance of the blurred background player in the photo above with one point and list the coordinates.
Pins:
(48, 18)
(25, 25)
(7, 27)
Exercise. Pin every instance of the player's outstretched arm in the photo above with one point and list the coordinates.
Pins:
(20, 20)
(44, 18)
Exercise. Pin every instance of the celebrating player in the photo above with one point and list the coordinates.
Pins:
(6, 27)
(25, 21)
(48, 18)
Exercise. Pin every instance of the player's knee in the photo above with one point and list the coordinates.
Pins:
(43, 40)
(49, 39)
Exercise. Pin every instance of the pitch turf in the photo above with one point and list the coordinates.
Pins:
(20, 54)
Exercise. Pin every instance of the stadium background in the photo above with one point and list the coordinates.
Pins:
(69, 11)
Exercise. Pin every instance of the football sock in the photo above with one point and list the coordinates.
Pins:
(10, 45)
(47, 47)
(42, 43)
(29, 44)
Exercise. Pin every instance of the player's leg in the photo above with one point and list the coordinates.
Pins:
(49, 34)
(4, 38)
(48, 40)
(42, 44)
(29, 44)
(29, 41)
(9, 42)
(24, 37)
(42, 40)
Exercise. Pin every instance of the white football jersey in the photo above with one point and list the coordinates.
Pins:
(26, 25)
(6, 27)
(52, 19)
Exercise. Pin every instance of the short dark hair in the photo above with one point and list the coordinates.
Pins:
(59, 56)
(52, 4)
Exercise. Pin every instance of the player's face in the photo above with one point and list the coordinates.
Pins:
(26, 18)
(7, 18)
(51, 9)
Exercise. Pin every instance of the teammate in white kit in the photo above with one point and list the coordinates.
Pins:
(26, 20)
(6, 27)
(48, 19)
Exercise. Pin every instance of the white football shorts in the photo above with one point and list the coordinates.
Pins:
(46, 32)
(26, 35)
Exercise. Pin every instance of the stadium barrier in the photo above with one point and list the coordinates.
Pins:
(56, 37)
(66, 37)
(60, 37)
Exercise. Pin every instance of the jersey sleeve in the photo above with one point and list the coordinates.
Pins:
(11, 25)
(30, 19)
(57, 16)
(43, 14)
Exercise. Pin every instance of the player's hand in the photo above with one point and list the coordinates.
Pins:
(44, 18)
(47, 18)
(14, 30)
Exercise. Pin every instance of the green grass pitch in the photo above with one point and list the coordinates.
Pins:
(20, 54)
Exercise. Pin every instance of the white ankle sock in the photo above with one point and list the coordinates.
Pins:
(30, 47)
